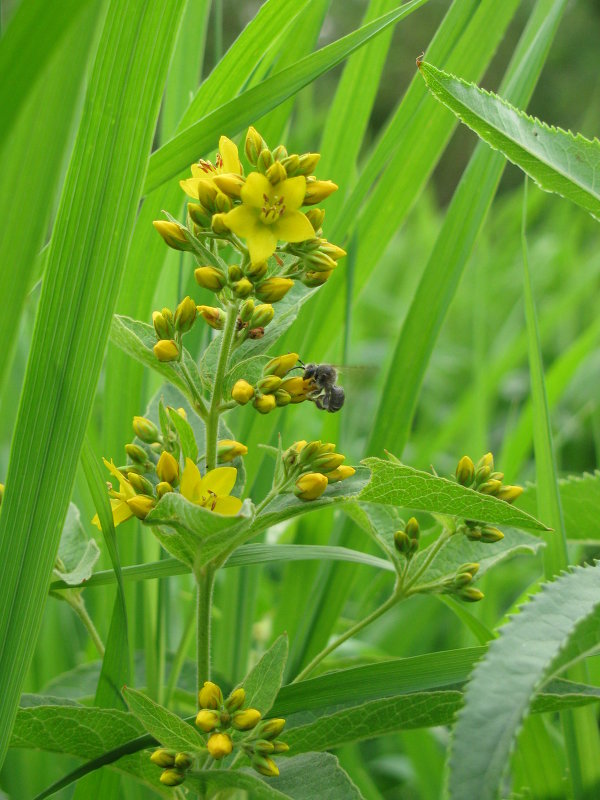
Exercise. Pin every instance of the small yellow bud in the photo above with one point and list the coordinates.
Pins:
(315, 216)
(207, 194)
(412, 528)
(141, 505)
(312, 278)
(308, 163)
(257, 271)
(402, 543)
(263, 314)
(280, 747)
(271, 728)
(173, 234)
(509, 493)
(310, 451)
(167, 468)
(317, 191)
(162, 325)
(328, 461)
(470, 594)
(140, 484)
(136, 453)
(295, 387)
(340, 474)
(218, 224)
(320, 262)
(332, 250)
(465, 471)
(269, 384)
(207, 720)
(145, 430)
(273, 289)
(235, 700)
(243, 288)
(219, 745)
(183, 761)
(281, 365)
(185, 315)
(172, 777)
(264, 160)
(215, 317)
(276, 173)
(234, 273)
(490, 486)
(247, 310)
(166, 350)
(228, 449)
(163, 758)
(210, 278)
(163, 488)
(263, 747)
(210, 696)
(471, 567)
(182, 412)
(491, 535)
(264, 403)
(265, 766)
(242, 392)
(310, 486)
(246, 720)
(254, 145)
(199, 215)
(291, 164)
(229, 183)
(486, 461)
(282, 398)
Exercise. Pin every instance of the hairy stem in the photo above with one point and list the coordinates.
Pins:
(75, 600)
(205, 579)
(198, 402)
(433, 551)
(214, 411)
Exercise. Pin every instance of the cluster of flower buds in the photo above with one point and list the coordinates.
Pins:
(317, 257)
(174, 765)
(314, 465)
(274, 388)
(460, 584)
(482, 478)
(219, 718)
(170, 328)
(406, 542)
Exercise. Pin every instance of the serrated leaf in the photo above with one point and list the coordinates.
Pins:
(167, 728)
(406, 487)
(557, 160)
(504, 683)
(580, 500)
(263, 681)
(78, 553)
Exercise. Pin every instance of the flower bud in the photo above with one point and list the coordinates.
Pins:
(470, 594)
(140, 484)
(162, 325)
(319, 261)
(163, 488)
(280, 747)
(210, 696)
(264, 160)
(340, 474)
(402, 543)
(489, 487)
(141, 505)
(254, 145)
(242, 392)
(210, 278)
(235, 700)
(215, 317)
(163, 758)
(491, 535)
(167, 468)
(276, 173)
(207, 720)
(246, 720)
(332, 250)
(281, 365)
(243, 288)
(219, 745)
(273, 289)
(166, 350)
(509, 493)
(465, 471)
(229, 183)
(462, 579)
(471, 567)
(497, 476)
(315, 216)
(271, 728)
(328, 461)
(474, 534)
(295, 387)
(199, 215)
(257, 271)
(291, 165)
(280, 152)
(223, 203)
(312, 278)
(265, 766)
(264, 403)
(247, 310)
(317, 191)
(282, 398)
(269, 384)
(263, 314)
(219, 225)
(136, 453)
(263, 747)
(234, 273)
(310, 486)
(172, 777)
(412, 528)
(308, 163)
(183, 761)
(173, 234)
(228, 449)
(145, 430)
(185, 315)
(207, 194)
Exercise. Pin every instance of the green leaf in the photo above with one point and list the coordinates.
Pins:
(87, 255)
(189, 447)
(137, 340)
(167, 728)
(400, 485)
(580, 500)
(263, 681)
(557, 160)
(77, 553)
(531, 648)
(182, 150)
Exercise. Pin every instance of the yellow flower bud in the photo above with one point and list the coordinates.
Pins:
(328, 462)
(219, 745)
(402, 543)
(141, 505)
(264, 403)
(263, 747)
(265, 766)
(182, 412)
(317, 191)
(254, 145)
(210, 278)
(257, 271)
(229, 183)
(145, 430)
(228, 449)
(282, 398)
(223, 203)
(264, 160)
(280, 152)
(332, 250)
(486, 461)
(163, 758)
(173, 234)
(166, 350)
(491, 535)
(207, 720)
(234, 273)
(183, 761)
(218, 224)
(207, 194)
(312, 278)
(136, 453)
(172, 777)
(167, 468)
(490, 486)
(210, 696)
(247, 310)
(140, 484)
(291, 164)
(242, 392)
(320, 262)
(199, 215)
(315, 216)
(271, 728)
(340, 474)
(281, 365)
(509, 493)
(465, 471)
(246, 720)
(162, 325)
(310, 486)
(412, 528)
(308, 163)
(471, 594)
(163, 488)
(263, 314)
(215, 317)
(269, 384)
(243, 288)
(295, 387)
(235, 700)
(276, 173)
(273, 289)
(185, 315)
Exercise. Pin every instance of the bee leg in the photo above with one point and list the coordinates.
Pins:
(321, 402)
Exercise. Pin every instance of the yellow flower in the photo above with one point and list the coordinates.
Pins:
(120, 510)
(212, 490)
(227, 161)
(268, 213)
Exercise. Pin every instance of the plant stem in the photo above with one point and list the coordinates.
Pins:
(179, 658)
(433, 551)
(199, 403)
(212, 420)
(77, 604)
(205, 579)
(391, 601)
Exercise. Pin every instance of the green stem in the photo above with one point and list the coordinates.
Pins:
(199, 403)
(77, 604)
(205, 579)
(179, 657)
(391, 601)
(433, 551)
(212, 420)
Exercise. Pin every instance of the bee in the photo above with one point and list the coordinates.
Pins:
(326, 395)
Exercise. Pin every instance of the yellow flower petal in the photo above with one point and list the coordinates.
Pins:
(190, 187)
(293, 190)
(229, 154)
(191, 481)
(293, 226)
(262, 243)
(219, 481)
(228, 506)
(121, 511)
(256, 187)
(124, 486)
(242, 220)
